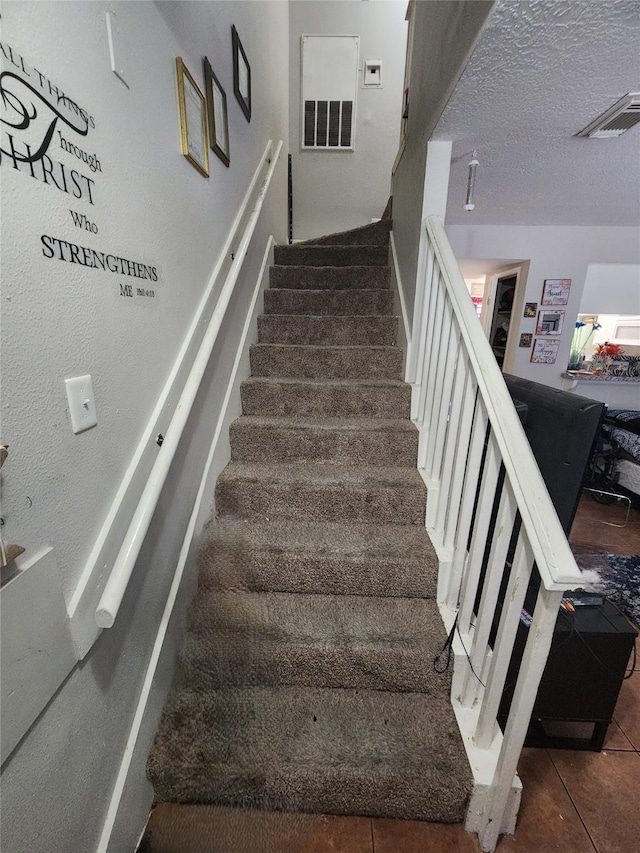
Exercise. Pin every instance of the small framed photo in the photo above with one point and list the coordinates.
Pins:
(545, 350)
(241, 74)
(526, 339)
(217, 114)
(530, 309)
(193, 120)
(556, 291)
(550, 322)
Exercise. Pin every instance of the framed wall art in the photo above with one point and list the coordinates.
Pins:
(530, 309)
(545, 350)
(556, 291)
(526, 339)
(550, 322)
(193, 120)
(241, 74)
(217, 114)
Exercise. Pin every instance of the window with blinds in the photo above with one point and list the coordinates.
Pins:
(329, 86)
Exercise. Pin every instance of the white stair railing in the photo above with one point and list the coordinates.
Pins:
(121, 571)
(489, 516)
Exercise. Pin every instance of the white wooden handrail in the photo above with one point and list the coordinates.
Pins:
(551, 550)
(491, 520)
(120, 575)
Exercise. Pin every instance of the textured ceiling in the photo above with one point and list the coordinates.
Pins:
(541, 71)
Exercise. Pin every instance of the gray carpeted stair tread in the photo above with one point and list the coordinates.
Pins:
(328, 302)
(318, 491)
(329, 278)
(307, 680)
(340, 751)
(252, 638)
(339, 558)
(327, 330)
(330, 424)
(346, 441)
(326, 362)
(314, 397)
(333, 255)
(373, 234)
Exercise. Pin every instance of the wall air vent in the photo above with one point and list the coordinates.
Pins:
(329, 82)
(622, 116)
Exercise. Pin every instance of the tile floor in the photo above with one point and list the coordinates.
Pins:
(573, 802)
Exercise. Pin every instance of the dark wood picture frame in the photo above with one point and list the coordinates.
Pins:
(217, 114)
(241, 74)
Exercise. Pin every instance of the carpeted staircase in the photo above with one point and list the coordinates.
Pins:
(307, 680)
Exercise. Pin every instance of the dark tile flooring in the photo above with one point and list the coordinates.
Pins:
(573, 802)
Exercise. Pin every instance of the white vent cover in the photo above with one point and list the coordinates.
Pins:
(329, 85)
(622, 116)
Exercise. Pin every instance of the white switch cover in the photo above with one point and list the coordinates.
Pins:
(82, 406)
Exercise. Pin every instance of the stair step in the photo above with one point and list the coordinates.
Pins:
(340, 441)
(327, 331)
(332, 256)
(317, 492)
(318, 362)
(329, 557)
(328, 302)
(242, 638)
(373, 234)
(330, 278)
(314, 750)
(376, 398)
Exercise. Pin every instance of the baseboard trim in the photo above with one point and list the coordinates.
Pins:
(396, 285)
(217, 459)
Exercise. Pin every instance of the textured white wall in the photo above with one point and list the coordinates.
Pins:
(62, 319)
(554, 252)
(337, 190)
(615, 285)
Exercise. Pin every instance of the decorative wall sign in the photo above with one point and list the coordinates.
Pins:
(193, 120)
(217, 114)
(44, 135)
(526, 339)
(241, 74)
(530, 309)
(545, 350)
(556, 291)
(41, 123)
(550, 322)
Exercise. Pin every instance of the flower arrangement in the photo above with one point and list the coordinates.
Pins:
(579, 342)
(609, 349)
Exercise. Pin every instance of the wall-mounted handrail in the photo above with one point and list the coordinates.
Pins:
(491, 520)
(120, 575)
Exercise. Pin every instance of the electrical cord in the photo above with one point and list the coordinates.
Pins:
(448, 648)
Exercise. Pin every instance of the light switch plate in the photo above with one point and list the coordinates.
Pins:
(82, 405)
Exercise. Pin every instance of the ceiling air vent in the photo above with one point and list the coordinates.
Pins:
(623, 115)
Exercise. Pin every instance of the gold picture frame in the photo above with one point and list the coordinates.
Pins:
(217, 113)
(193, 119)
